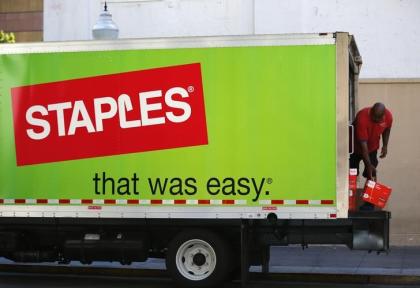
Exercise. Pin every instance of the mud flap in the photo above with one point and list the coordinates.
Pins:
(370, 230)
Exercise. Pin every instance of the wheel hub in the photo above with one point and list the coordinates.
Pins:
(199, 259)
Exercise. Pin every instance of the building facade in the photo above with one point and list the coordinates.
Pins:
(24, 18)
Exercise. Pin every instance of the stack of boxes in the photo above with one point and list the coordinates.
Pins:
(374, 192)
(353, 190)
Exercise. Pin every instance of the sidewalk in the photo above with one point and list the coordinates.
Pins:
(400, 261)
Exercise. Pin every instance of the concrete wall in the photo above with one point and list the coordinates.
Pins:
(387, 32)
(73, 19)
(401, 168)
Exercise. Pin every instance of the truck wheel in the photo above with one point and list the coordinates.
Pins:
(198, 258)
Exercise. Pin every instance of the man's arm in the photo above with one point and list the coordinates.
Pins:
(366, 160)
(385, 139)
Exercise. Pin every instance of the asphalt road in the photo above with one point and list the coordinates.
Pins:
(19, 280)
(288, 266)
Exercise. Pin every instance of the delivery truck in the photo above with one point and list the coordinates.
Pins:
(204, 151)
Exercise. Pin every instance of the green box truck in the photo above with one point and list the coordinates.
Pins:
(205, 151)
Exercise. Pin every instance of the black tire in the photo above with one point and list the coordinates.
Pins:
(187, 247)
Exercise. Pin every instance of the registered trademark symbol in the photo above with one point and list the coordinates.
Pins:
(269, 180)
(190, 89)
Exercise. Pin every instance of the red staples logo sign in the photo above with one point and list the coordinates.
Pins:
(114, 114)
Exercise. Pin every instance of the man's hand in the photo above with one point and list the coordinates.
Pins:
(384, 152)
(371, 170)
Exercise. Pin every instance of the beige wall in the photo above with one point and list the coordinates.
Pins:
(401, 168)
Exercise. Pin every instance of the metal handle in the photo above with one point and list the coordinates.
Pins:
(352, 138)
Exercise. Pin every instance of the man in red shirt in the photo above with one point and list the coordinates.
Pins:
(370, 124)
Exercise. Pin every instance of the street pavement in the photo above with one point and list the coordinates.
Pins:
(400, 261)
(13, 280)
(400, 266)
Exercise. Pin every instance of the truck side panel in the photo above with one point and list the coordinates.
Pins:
(245, 131)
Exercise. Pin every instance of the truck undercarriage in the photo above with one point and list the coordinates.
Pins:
(237, 243)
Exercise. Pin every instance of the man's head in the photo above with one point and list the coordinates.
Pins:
(377, 112)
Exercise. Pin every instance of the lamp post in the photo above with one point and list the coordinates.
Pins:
(105, 28)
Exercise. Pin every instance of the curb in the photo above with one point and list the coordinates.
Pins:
(85, 271)
(337, 278)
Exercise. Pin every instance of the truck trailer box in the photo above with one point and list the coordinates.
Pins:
(226, 128)
(142, 133)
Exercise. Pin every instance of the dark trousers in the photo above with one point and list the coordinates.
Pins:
(356, 158)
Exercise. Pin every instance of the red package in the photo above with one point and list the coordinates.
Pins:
(376, 193)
